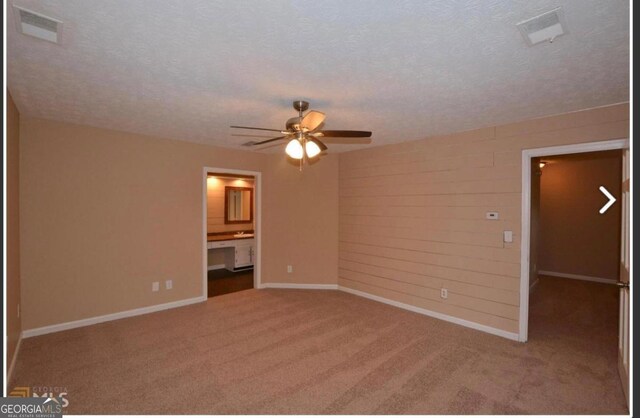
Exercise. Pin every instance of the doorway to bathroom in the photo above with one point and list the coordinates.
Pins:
(231, 224)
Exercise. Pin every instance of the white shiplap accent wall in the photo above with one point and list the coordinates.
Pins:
(412, 215)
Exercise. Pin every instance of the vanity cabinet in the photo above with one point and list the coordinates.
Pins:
(241, 256)
(221, 244)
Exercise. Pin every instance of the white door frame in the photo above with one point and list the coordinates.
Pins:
(258, 222)
(525, 251)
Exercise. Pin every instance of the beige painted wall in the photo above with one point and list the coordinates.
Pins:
(300, 213)
(104, 213)
(14, 325)
(412, 215)
(215, 204)
(574, 237)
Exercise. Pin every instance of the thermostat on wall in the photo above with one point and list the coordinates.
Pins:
(492, 215)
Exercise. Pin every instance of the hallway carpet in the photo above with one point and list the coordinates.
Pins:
(328, 352)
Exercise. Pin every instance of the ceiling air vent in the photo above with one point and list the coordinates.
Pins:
(545, 27)
(37, 25)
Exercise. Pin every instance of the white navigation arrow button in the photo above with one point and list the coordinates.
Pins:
(611, 201)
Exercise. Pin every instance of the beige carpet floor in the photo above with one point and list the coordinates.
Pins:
(328, 352)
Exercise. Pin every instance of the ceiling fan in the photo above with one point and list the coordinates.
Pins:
(303, 133)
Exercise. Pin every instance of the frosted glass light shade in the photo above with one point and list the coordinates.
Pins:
(312, 149)
(294, 149)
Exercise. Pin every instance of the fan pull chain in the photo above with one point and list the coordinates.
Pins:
(302, 143)
(304, 153)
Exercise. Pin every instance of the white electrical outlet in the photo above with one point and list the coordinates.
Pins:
(289, 269)
(444, 293)
(493, 215)
(155, 286)
(168, 284)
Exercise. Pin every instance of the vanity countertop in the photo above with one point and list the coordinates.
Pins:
(225, 237)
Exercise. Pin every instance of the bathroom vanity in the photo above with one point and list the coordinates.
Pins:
(239, 252)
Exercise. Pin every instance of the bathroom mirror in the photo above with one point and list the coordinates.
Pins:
(238, 205)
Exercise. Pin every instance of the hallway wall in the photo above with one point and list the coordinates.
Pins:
(574, 237)
(14, 322)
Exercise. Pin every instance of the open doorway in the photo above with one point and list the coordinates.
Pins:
(575, 249)
(231, 226)
(574, 278)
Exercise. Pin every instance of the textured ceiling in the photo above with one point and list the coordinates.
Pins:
(404, 69)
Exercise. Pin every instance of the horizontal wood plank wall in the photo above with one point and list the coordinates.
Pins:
(215, 204)
(412, 214)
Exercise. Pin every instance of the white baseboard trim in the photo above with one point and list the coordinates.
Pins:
(576, 276)
(110, 317)
(215, 267)
(495, 331)
(155, 308)
(298, 286)
(13, 360)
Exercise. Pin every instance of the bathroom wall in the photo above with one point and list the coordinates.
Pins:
(215, 213)
(215, 204)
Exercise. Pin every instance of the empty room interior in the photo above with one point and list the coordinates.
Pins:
(301, 207)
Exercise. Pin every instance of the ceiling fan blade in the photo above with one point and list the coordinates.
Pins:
(252, 136)
(345, 134)
(319, 143)
(258, 129)
(312, 120)
(270, 140)
(348, 141)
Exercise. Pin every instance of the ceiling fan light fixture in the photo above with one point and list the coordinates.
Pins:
(304, 133)
(312, 149)
(294, 149)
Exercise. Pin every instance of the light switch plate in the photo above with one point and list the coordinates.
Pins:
(155, 286)
(508, 236)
